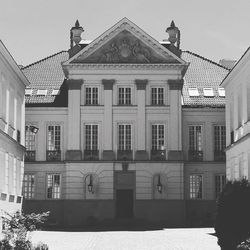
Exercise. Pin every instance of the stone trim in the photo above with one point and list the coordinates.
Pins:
(108, 155)
(141, 84)
(175, 84)
(141, 155)
(108, 84)
(73, 155)
(175, 155)
(74, 84)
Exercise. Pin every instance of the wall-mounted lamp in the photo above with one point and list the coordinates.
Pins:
(159, 185)
(32, 129)
(90, 185)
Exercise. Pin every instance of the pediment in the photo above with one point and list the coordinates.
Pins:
(125, 43)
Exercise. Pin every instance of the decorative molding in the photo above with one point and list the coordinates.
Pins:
(141, 155)
(175, 84)
(108, 84)
(141, 84)
(73, 155)
(108, 155)
(175, 155)
(74, 84)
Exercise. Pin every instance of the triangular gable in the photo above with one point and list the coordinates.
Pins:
(125, 42)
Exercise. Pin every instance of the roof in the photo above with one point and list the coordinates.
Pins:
(48, 74)
(202, 73)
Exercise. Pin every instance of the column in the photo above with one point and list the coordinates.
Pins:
(141, 153)
(108, 153)
(175, 145)
(74, 120)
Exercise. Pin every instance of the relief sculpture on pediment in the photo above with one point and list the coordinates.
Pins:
(123, 51)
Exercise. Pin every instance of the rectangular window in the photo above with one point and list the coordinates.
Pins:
(157, 96)
(220, 181)
(124, 131)
(91, 96)
(219, 142)
(91, 137)
(53, 186)
(195, 143)
(157, 137)
(195, 186)
(6, 172)
(53, 143)
(29, 186)
(30, 137)
(124, 96)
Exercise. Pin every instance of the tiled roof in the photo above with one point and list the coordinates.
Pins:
(47, 74)
(202, 73)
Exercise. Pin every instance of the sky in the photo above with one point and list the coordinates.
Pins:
(34, 29)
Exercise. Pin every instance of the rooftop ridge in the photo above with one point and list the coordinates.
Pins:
(41, 60)
(206, 59)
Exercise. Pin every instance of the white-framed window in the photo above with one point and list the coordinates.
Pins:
(91, 95)
(54, 137)
(29, 186)
(30, 139)
(158, 136)
(220, 182)
(195, 137)
(124, 96)
(91, 137)
(124, 137)
(53, 186)
(6, 172)
(219, 137)
(157, 96)
(195, 186)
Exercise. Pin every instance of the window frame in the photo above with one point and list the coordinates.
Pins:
(33, 191)
(123, 101)
(192, 195)
(124, 147)
(220, 139)
(221, 186)
(60, 186)
(157, 95)
(91, 139)
(90, 101)
(158, 146)
(47, 137)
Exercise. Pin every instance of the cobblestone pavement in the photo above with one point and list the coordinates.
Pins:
(172, 239)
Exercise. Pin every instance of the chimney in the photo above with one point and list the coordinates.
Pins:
(75, 34)
(174, 34)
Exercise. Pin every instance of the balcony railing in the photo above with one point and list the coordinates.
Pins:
(194, 155)
(91, 155)
(30, 155)
(125, 155)
(158, 155)
(219, 155)
(53, 155)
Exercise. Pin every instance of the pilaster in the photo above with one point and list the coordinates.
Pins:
(108, 153)
(74, 135)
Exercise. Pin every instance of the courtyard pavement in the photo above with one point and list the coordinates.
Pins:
(172, 239)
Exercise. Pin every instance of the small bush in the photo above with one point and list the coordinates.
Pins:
(232, 225)
(17, 229)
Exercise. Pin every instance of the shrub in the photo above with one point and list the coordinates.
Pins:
(232, 225)
(245, 245)
(17, 228)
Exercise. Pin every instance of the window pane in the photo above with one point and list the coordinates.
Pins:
(53, 186)
(195, 186)
(29, 186)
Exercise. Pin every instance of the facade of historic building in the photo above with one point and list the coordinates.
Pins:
(129, 128)
(12, 108)
(237, 86)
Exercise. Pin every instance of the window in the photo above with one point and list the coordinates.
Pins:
(219, 142)
(124, 96)
(91, 137)
(157, 137)
(29, 186)
(28, 92)
(195, 143)
(193, 92)
(220, 181)
(195, 186)
(91, 96)
(157, 96)
(208, 92)
(221, 92)
(42, 92)
(124, 131)
(55, 92)
(54, 142)
(53, 186)
(30, 136)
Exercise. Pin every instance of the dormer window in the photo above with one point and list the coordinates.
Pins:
(208, 92)
(28, 92)
(42, 92)
(221, 92)
(193, 92)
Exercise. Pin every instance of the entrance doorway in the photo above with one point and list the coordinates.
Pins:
(124, 203)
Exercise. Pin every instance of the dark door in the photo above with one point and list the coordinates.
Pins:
(124, 203)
